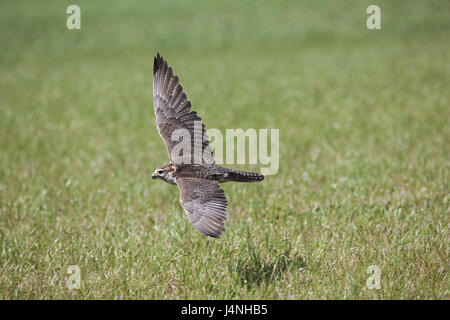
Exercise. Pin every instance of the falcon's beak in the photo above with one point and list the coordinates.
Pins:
(154, 175)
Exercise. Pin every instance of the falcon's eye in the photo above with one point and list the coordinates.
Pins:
(160, 171)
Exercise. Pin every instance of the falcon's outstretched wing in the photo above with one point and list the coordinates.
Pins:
(205, 204)
(173, 111)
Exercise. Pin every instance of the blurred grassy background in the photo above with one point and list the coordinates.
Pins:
(364, 145)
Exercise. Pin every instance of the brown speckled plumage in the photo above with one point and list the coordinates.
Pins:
(196, 175)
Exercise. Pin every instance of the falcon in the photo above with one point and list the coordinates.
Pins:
(191, 167)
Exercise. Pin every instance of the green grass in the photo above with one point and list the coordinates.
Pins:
(364, 149)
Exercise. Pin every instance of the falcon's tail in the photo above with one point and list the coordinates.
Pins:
(242, 176)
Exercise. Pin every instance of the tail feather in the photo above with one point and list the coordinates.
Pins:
(243, 176)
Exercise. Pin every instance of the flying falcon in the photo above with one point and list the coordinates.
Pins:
(196, 174)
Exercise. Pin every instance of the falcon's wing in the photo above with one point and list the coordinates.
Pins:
(205, 204)
(173, 111)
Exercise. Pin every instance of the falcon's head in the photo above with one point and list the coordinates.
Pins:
(165, 173)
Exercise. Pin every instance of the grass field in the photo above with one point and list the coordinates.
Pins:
(364, 149)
